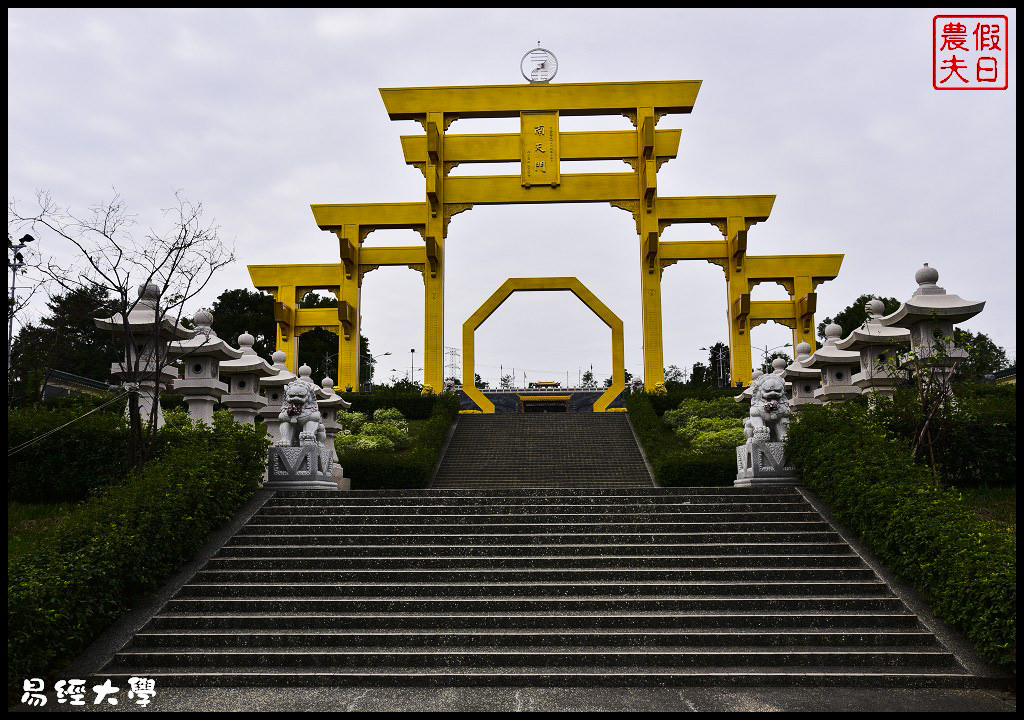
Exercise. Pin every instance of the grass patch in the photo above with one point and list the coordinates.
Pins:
(34, 526)
(998, 505)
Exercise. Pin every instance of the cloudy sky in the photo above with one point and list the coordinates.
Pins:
(258, 114)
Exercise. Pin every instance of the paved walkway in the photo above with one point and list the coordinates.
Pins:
(561, 699)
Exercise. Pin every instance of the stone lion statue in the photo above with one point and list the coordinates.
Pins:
(300, 416)
(769, 410)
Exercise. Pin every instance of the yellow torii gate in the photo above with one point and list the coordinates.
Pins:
(539, 147)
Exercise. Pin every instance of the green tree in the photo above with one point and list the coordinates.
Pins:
(854, 315)
(587, 380)
(718, 363)
(983, 355)
(251, 311)
(66, 339)
(700, 374)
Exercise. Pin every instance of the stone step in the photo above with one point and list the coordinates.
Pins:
(483, 658)
(759, 619)
(514, 637)
(515, 604)
(442, 535)
(407, 525)
(621, 676)
(273, 548)
(684, 510)
(749, 563)
(602, 518)
(571, 590)
(413, 576)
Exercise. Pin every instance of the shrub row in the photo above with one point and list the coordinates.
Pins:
(128, 540)
(413, 406)
(67, 465)
(673, 464)
(677, 393)
(925, 533)
(383, 470)
(974, 439)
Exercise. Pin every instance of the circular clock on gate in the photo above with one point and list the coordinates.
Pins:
(539, 65)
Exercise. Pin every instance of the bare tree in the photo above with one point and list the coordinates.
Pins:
(110, 254)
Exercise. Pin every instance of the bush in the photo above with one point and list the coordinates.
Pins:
(677, 393)
(716, 441)
(374, 468)
(350, 421)
(673, 460)
(68, 465)
(126, 541)
(412, 406)
(974, 440)
(923, 532)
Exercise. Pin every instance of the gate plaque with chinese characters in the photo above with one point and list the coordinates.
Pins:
(539, 148)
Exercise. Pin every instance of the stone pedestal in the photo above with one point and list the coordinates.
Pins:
(763, 463)
(305, 467)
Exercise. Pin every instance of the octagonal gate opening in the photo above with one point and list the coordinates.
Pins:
(570, 284)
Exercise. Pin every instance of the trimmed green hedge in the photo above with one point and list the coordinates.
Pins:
(388, 470)
(413, 406)
(675, 465)
(677, 393)
(974, 440)
(965, 566)
(69, 464)
(128, 540)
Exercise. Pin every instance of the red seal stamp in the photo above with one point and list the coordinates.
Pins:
(970, 52)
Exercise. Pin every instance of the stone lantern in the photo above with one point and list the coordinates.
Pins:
(779, 368)
(145, 334)
(305, 373)
(243, 374)
(879, 346)
(804, 380)
(329, 408)
(201, 355)
(744, 397)
(836, 368)
(929, 315)
(272, 389)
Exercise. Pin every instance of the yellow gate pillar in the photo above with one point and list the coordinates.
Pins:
(804, 302)
(284, 313)
(738, 288)
(349, 310)
(433, 271)
(650, 260)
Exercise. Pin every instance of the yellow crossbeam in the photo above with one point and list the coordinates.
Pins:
(611, 145)
(377, 216)
(714, 209)
(271, 277)
(668, 96)
(393, 256)
(496, 189)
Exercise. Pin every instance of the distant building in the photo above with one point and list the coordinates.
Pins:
(1005, 377)
(62, 384)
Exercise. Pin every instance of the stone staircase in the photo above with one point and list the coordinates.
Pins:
(537, 587)
(542, 450)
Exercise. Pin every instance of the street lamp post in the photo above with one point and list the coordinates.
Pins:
(767, 350)
(373, 359)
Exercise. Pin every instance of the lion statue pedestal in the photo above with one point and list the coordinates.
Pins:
(762, 460)
(300, 460)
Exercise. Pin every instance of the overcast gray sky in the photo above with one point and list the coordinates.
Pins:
(259, 113)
